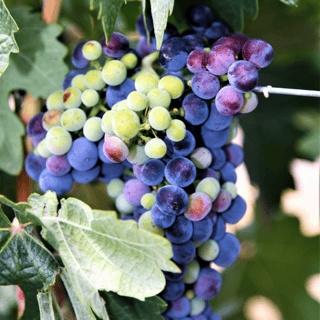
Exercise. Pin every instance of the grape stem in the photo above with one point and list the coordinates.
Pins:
(293, 92)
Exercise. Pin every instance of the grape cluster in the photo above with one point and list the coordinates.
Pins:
(162, 141)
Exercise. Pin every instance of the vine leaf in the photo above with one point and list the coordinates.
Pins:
(150, 309)
(290, 2)
(31, 311)
(8, 43)
(48, 310)
(108, 13)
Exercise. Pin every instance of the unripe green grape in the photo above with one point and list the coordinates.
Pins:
(233, 128)
(93, 80)
(126, 124)
(115, 187)
(137, 101)
(114, 73)
(51, 119)
(209, 250)
(145, 222)
(43, 150)
(55, 100)
(155, 148)
(192, 274)
(130, 60)
(58, 141)
(190, 294)
(250, 102)
(78, 82)
(231, 188)
(209, 186)
(122, 205)
(173, 85)
(122, 105)
(201, 158)
(159, 118)
(73, 119)
(72, 98)
(145, 82)
(92, 50)
(159, 98)
(106, 122)
(176, 130)
(137, 155)
(148, 200)
(197, 306)
(92, 129)
(90, 97)
(115, 108)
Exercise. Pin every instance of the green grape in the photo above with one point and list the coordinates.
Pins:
(145, 82)
(250, 102)
(90, 97)
(92, 129)
(189, 294)
(201, 157)
(130, 60)
(233, 132)
(93, 80)
(231, 188)
(137, 101)
(78, 82)
(148, 200)
(137, 155)
(192, 274)
(58, 141)
(176, 130)
(51, 119)
(72, 98)
(145, 222)
(106, 122)
(55, 100)
(114, 73)
(73, 119)
(159, 98)
(43, 150)
(197, 306)
(126, 124)
(115, 108)
(209, 186)
(155, 148)
(92, 50)
(173, 85)
(159, 118)
(209, 250)
(115, 188)
(122, 205)
(122, 105)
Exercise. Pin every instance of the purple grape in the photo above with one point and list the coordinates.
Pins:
(218, 158)
(152, 172)
(181, 231)
(160, 219)
(240, 38)
(229, 250)
(140, 25)
(196, 110)
(84, 177)
(68, 78)
(218, 230)
(179, 308)
(170, 276)
(213, 217)
(195, 41)
(205, 85)
(230, 43)
(206, 173)
(243, 76)
(58, 165)
(134, 190)
(172, 200)
(170, 32)
(138, 212)
(197, 61)
(180, 172)
(208, 284)
(229, 101)
(34, 165)
(77, 58)
(235, 212)
(220, 59)
(223, 201)
(199, 16)
(234, 154)
(35, 128)
(117, 47)
(258, 52)
(217, 30)
(214, 139)
(111, 171)
(137, 171)
(101, 155)
(173, 54)
(118, 93)
(183, 253)
(173, 290)
(143, 48)
(216, 120)
(228, 173)
(199, 206)
(185, 146)
(202, 230)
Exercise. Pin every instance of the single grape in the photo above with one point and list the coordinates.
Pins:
(202, 230)
(228, 173)
(230, 43)
(137, 101)
(111, 171)
(233, 128)
(214, 139)
(199, 206)
(197, 61)
(176, 130)
(209, 250)
(78, 82)
(73, 119)
(122, 205)
(58, 165)
(68, 78)
(220, 59)
(160, 219)
(222, 202)
(217, 30)
(137, 170)
(196, 110)
(195, 41)
(199, 16)
(235, 212)
(84, 177)
(72, 98)
(137, 155)
(208, 284)
(201, 157)
(55, 100)
(118, 93)
(181, 231)
(42, 149)
(209, 186)
(216, 120)
(114, 149)
(250, 102)
(51, 119)
(34, 165)
(126, 124)
(205, 85)
(92, 50)
(34, 127)
(122, 105)
(130, 60)
(183, 253)
(207, 173)
(145, 223)
(148, 200)
(77, 58)
(94, 80)
(152, 172)
(173, 85)
(219, 229)
(173, 290)
(155, 148)
(240, 38)
(58, 141)
(219, 158)
(90, 97)
(117, 47)
(231, 188)
(115, 187)
(159, 118)
(158, 98)
(133, 191)
(145, 82)
(106, 122)
(114, 73)
(178, 309)
(185, 146)
(140, 24)
(92, 129)
(197, 306)
(192, 274)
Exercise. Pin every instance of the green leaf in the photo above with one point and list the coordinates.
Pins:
(290, 2)
(82, 310)
(108, 13)
(125, 308)
(31, 311)
(7, 41)
(46, 306)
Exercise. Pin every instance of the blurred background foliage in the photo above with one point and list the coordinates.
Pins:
(276, 258)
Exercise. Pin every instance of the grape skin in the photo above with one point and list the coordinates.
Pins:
(73, 119)
(77, 58)
(58, 141)
(220, 59)
(42, 149)
(34, 165)
(55, 100)
(250, 103)
(58, 184)
(222, 202)
(125, 124)
(173, 85)
(179, 308)
(34, 127)
(122, 205)
(133, 191)
(145, 223)
(111, 171)
(201, 157)
(118, 93)
(205, 85)
(92, 50)
(117, 47)
(160, 219)
(209, 250)
(197, 61)
(176, 130)
(230, 43)
(145, 82)
(90, 97)
(92, 129)
(114, 149)
(193, 270)
(78, 82)
(72, 98)
(137, 101)
(152, 172)
(229, 101)
(181, 231)
(199, 206)
(106, 122)
(51, 119)
(209, 186)
(148, 200)
(155, 148)
(114, 73)
(84, 177)
(197, 306)
(115, 187)
(196, 110)
(159, 98)
(159, 118)
(94, 80)
(58, 165)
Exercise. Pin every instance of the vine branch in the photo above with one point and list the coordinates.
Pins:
(292, 92)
